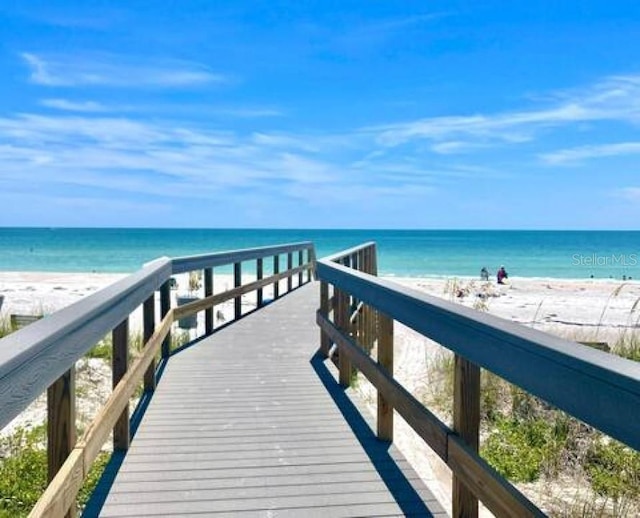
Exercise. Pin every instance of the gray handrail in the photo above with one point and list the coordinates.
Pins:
(197, 262)
(346, 253)
(598, 388)
(32, 358)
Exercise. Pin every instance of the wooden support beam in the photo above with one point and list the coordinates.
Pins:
(276, 270)
(61, 423)
(165, 307)
(148, 327)
(325, 342)
(289, 267)
(466, 423)
(374, 260)
(237, 282)
(120, 364)
(209, 323)
(259, 274)
(341, 316)
(300, 263)
(385, 360)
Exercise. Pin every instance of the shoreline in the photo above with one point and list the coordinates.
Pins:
(559, 306)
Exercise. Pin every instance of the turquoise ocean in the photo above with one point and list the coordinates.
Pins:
(414, 253)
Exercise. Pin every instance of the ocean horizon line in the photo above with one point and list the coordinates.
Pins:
(406, 252)
(332, 229)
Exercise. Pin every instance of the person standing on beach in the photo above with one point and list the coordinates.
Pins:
(502, 275)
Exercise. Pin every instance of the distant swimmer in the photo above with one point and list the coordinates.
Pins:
(502, 275)
(484, 274)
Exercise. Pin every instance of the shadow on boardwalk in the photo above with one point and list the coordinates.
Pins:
(380, 452)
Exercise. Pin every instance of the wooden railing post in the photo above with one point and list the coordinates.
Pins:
(120, 364)
(300, 262)
(309, 259)
(374, 261)
(237, 281)
(289, 267)
(165, 307)
(148, 327)
(466, 423)
(342, 321)
(61, 423)
(276, 269)
(208, 291)
(325, 342)
(259, 274)
(385, 360)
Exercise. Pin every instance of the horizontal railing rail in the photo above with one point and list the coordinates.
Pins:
(199, 262)
(42, 355)
(36, 355)
(601, 389)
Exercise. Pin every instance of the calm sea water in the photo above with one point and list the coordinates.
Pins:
(564, 254)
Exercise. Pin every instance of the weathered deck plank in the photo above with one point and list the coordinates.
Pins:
(250, 422)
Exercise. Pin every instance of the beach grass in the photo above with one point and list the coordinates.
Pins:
(537, 446)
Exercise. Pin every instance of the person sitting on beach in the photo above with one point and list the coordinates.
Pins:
(502, 275)
(484, 274)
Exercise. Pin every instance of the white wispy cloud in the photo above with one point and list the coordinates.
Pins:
(104, 69)
(249, 112)
(174, 160)
(578, 154)
(74, 106)
(615, 98)
(452, 147)
(629, 193)
(81, 146)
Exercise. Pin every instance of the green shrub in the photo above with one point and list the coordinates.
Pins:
(520, 449)
(628, 347)
(613, 469)
(102, 350)
(5, 326)
(23, 472)
(93, 477)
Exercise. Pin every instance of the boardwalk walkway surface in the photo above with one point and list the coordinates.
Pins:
(251, 422)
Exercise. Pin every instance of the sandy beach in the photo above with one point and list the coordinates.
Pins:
(587, 310)
(571, 308)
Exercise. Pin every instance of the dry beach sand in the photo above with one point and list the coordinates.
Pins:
(578, 309)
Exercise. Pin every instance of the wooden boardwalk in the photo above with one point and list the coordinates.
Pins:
(251, 422)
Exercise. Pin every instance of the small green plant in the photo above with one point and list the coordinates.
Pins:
(613, 469)
(93, 477)
(104, 348)
(628, 346)
(23, 472)
(5, 326)
(612, 295)
(195, 280)
(519, 449)
(493, 393)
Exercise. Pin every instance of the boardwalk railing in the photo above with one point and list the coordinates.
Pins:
(602, 390)
(41, 356)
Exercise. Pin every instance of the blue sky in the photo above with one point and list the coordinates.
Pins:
(356, 114)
